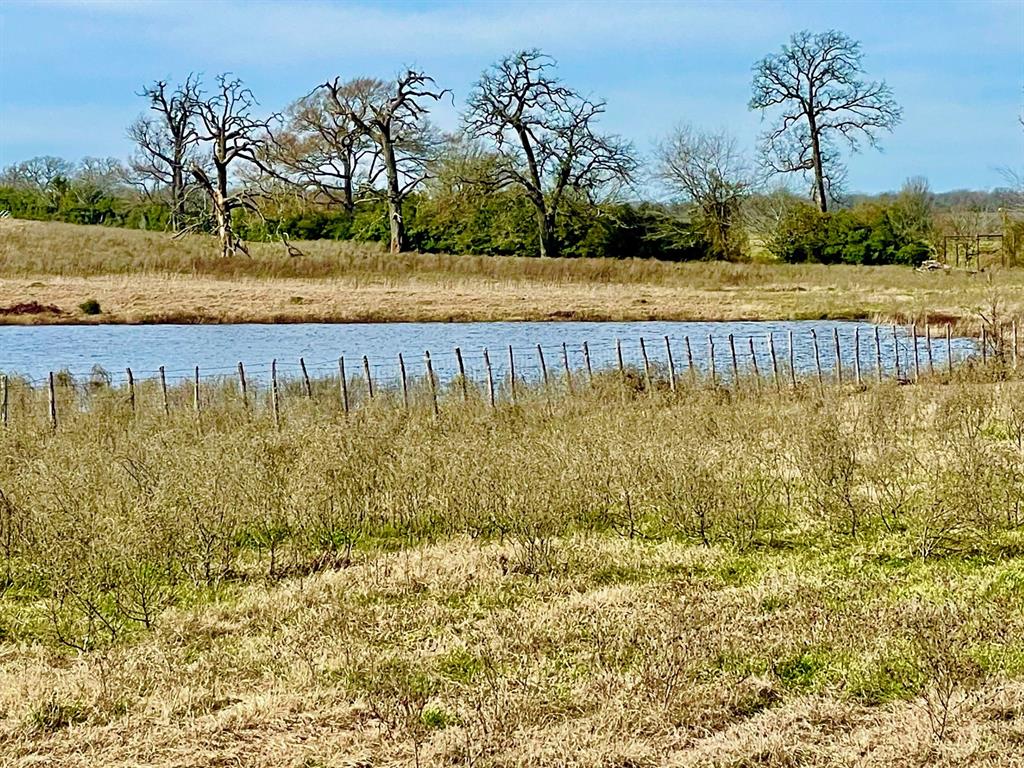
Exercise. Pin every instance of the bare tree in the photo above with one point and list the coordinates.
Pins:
(165, 142)
(544, 134)
(321, 150)
(814, 86)
(226, 125)
(37, 173)
(393, 116)
(710, 173)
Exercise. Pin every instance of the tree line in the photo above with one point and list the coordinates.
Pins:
(528, 171)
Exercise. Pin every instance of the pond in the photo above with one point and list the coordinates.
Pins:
(33, 351)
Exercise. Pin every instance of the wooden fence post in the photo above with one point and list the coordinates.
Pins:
(243, 388)
(369, 378)
(817, 358)
(543, 365)
(711, 360)
(405, 384)
(343, 383)
(949, 349)
(131, 388)
(878, 355)
(565, 362)
(275, 405)
(735, 366)
(689, 361)
(792, 363)
(856, 357)
(196, 405)
(490, 377)
(984, 346)
(586, 362)
(618, 355)
(163, 391)
(775, 362)
(52, 402)
(305, 379)
(839, 356)
(917, 357)
(753, 360)
(432, 382)
(928, 348)
(511, 375)
(896, 351)
(462, 375)
(1016, 344)
(3, 398)
(647, 366)
(671, 366)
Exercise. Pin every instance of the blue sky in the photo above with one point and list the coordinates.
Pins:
(69, 70)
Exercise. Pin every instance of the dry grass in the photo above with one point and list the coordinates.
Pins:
(148, 277)
(617, 578)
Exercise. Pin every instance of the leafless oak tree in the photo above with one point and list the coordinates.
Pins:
(544, 134)
(165, 142)
(710, 173)
(226, 125)
(393, 115)
(37, 173)
(814, 86)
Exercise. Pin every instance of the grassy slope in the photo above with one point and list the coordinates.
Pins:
(529, 587)
(147, 277)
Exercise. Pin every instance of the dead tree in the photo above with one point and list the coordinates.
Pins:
(165, 143)
(392, 115)
(709, 172)
(813, 86)
(227, 128)
(544, 134)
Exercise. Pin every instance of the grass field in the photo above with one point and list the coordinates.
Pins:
(47, 270)
(614, 578)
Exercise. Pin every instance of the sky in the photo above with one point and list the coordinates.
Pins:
(70, 71)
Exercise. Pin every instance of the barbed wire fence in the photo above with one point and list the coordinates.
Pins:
(501, 375)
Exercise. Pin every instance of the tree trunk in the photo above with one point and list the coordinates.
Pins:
(547, 241)
(819, 173)
(394, 198)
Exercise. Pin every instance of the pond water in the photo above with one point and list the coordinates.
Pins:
(33, 351)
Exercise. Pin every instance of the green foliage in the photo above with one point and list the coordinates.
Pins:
(90, 307)
(870, 234)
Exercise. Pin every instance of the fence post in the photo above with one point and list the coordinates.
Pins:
(711, 360)
(462, 374)
(928, 348)
(647, 365)
(878, 355)
(618, 355)
(689, 360)
(917, 357)
(431, 382)
(405, 385)
(792, 363)
(343, 383)
(490, 377)
(817, 358)
(242, 386)
(305, 378)
(735, 366)
(1015, 346)
(586, 361)
(163, 390)
(369, 378)
(984, 346)
(511, 375)
(543, 365)
(3, 398)
(896, 351)
(753, 360)
(775, 362)
(131, 388)
(949, 349)
(565, 362)
(195, 393)
(671, 366)
(856, 357)
(275, 405)
(839, 356)
(52, 402)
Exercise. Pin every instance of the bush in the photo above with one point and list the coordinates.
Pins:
(90, 307)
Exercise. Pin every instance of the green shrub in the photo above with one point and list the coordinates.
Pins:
(90, 307)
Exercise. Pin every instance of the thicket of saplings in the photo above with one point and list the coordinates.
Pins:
(119, 513)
